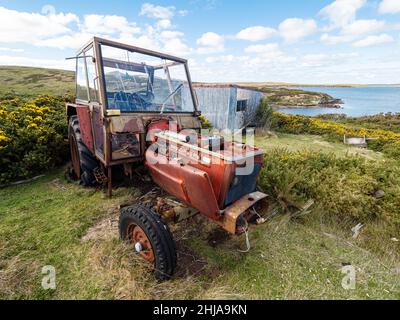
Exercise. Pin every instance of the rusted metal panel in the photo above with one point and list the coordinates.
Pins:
(232, 213)
(189, 122)
(83, 113)
(200, 192)
(214, 104)
(187, 183)
(98, 130)
(218, 104)
(126, 124)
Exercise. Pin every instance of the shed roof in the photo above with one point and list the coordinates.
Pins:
(224, 85)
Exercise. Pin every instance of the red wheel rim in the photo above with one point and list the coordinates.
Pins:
(137, 235)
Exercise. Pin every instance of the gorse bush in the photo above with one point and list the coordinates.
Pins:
(343, 188)
(205, 123)
(385, 121)
(383, 140)
(33, 136)
(264, 115)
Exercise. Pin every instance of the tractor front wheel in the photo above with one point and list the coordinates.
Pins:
(150, 237)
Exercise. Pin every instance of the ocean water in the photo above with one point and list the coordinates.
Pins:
(358, 101)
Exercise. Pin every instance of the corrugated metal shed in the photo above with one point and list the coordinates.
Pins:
(227, 106)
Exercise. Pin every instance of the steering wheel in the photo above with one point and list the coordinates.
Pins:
(132, 101)
(146, 95)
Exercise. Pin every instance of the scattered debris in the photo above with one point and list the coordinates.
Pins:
(357, 142)
(395, 239)
(356, 230)
(57, 184)
(21, 181)
(378, 194)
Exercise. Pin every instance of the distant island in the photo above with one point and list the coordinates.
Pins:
(280, 98)
(289, 84)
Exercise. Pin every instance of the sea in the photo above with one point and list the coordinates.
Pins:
(358, 101)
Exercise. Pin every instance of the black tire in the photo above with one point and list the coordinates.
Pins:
(87, 160)
(157, 232)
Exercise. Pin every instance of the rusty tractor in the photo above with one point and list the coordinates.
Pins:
(137, 107)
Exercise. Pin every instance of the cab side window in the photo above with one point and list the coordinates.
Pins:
(91, 71)
(81, 80)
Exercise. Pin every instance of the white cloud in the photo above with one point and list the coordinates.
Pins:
(295, 29)
(353, 31)
(314, 60)
(164, 24)
(389, 6)
(329, 39)
(16, 26)
(32, 62)
(360, 27)
(374, 40)
(68, 41)
(210, 42)
(268, 53)
(255, 33)
(342, 12)
(210, 39)
(176, 47)
(323, 59)
(227, 59)
(11, 49)
(168, 34)
(183, 13)
(262, 48)
(109, 24)
(157, 12)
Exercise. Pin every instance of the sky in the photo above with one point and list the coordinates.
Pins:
(308, 41)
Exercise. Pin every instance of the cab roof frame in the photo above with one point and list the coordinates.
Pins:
(111, 43)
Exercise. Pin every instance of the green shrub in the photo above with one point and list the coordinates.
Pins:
(343, 188)
(205, 123)
(264, 115)
(33, 136)
(383, 140)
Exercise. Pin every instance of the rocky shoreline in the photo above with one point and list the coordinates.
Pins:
(280, 98)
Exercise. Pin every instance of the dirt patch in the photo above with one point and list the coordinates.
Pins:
(191, 265)
(56, 184)
(217, 237)
(104, 229)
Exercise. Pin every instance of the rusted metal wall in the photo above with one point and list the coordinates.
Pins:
(218, 104)
(253, 101)
(215, 104)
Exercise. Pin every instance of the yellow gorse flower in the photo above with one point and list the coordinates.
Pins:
(294, 122)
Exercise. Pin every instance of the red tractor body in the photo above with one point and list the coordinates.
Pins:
(136, 106)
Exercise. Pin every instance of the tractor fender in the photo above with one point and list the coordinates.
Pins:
(85, 127)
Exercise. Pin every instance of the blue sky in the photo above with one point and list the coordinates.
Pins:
(310, 41)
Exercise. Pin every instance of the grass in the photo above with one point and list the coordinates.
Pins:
(313, 143)
(53, 222)
(28, 81)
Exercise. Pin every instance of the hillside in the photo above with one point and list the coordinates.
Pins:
(29, 81)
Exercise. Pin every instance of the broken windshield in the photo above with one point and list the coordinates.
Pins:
(141, 83)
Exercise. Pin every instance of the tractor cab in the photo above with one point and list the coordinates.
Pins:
(120, 90)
